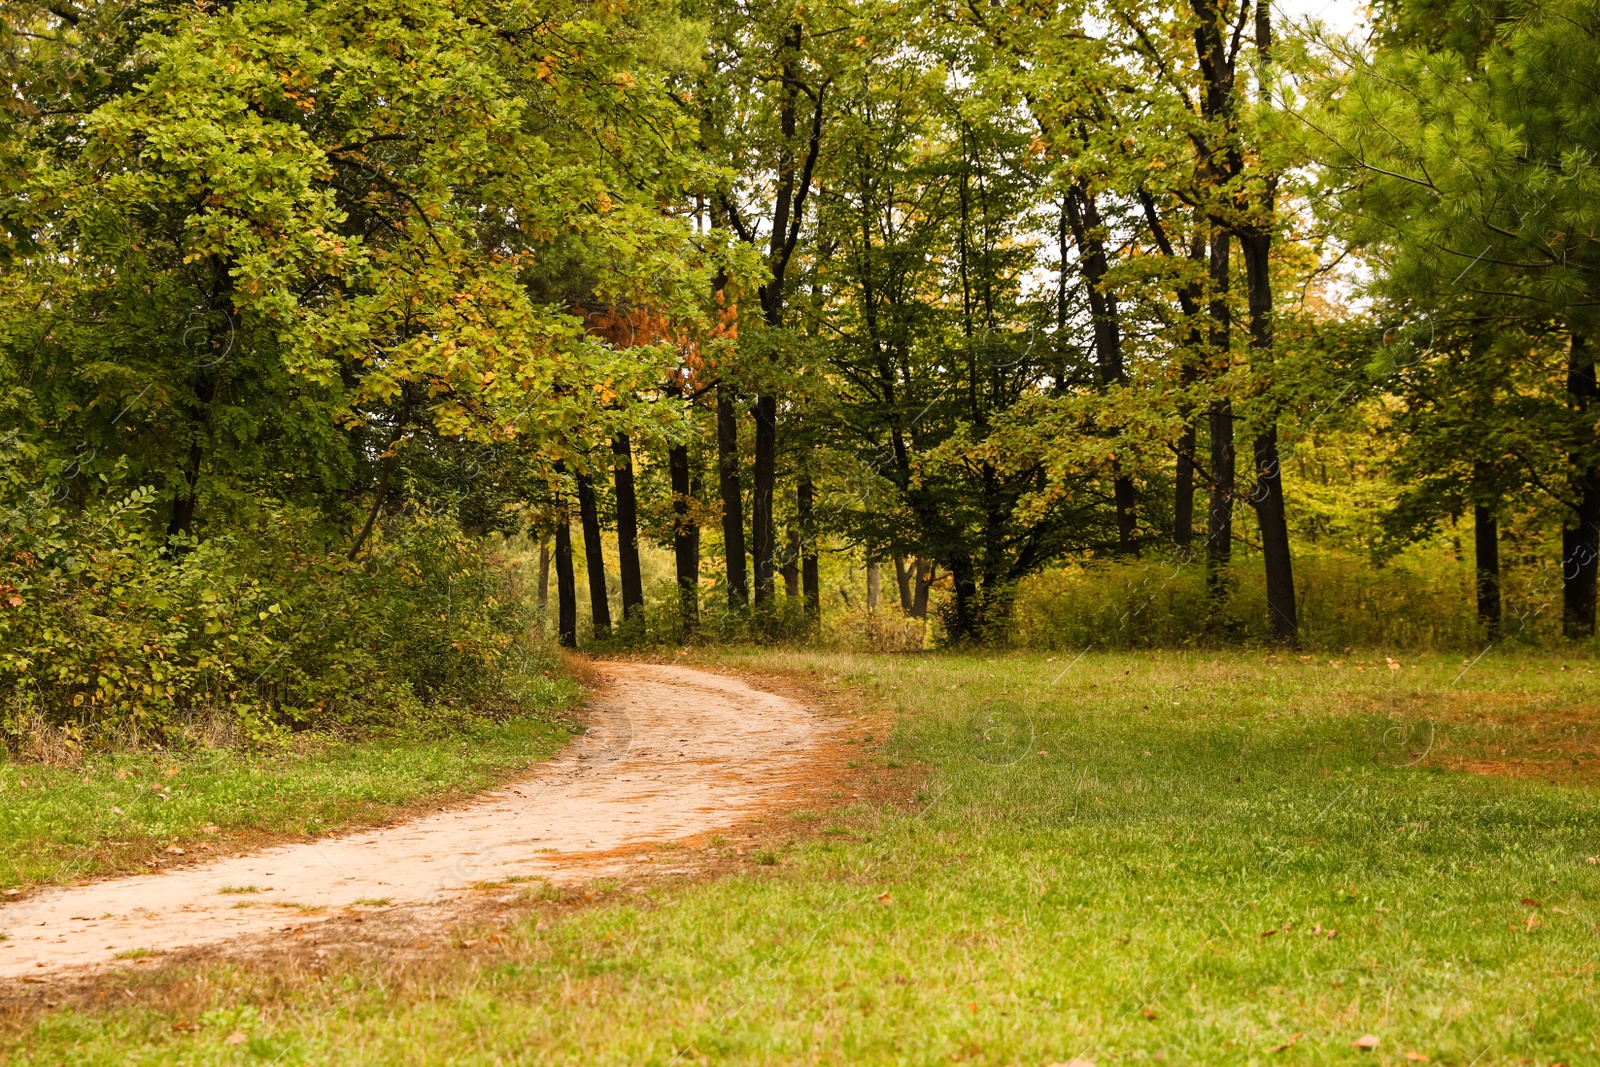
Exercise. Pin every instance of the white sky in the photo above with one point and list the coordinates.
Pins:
(1340, 16)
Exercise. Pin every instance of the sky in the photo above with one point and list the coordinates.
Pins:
(1341, 16)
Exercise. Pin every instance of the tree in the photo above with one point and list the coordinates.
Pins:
(292, 247)
(1464, 162)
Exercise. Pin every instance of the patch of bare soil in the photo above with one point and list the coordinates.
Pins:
(1517, 734)
(673, 757)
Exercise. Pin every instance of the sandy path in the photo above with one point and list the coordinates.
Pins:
(670, 752)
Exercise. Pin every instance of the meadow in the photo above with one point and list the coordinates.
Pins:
(1159, 857)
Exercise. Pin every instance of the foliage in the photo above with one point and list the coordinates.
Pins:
(250, 634)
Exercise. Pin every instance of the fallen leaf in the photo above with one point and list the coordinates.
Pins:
(172, 772)
(1529, 902)
(885, 898)
(211, 829)
(174, 850)
(1294, 1039)
(1365, 1041)
(1416, 1057)
(236, 1038)
(1533, 924)
(1268, 933)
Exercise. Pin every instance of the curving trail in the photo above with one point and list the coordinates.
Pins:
(670, 753)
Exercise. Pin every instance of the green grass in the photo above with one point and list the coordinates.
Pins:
(1139, 861)
(117, 811)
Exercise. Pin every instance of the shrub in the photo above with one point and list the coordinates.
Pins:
(1422, 600)
(108, 635)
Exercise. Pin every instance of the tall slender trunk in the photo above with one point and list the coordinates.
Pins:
(1088, 229)
(794, 174)
(1190, 295)
(1219, 517)
(386, 466)
(184, 504)
(697, 493)
(1183, 490)
(544, 578)
(1486, 550)
(791, 565)
(732, 500)
(1267, 499)
(628, 531)
(1058, 369)
(1255, 244)
(1580, 539)
(874, 584)
(810, 579)
(685, 540)
(566, 583)
(765, 476)
(219, 341)
(594, 558)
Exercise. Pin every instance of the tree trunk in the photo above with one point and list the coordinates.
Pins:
(919, 599)
(544, 578)
(566, 584)
(628, 532)
(1183, 492)
(791, 565)
(1267, 498)
(964, 619)
(594, 559)
(1255, 244)
(874, 584)
(1486, 549)
(810, 579)
(1219, 518)
(902, 581)
(685, 541)
(220, 339)
(386, 467)
(1580, 540)
(1088, 229)
(732, 500)
(765, 474)
(697, 493)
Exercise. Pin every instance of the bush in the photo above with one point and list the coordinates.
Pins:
(1423, 600)
(107, 635)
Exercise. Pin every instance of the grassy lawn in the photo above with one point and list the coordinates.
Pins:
(121, 811)
(1140, 858)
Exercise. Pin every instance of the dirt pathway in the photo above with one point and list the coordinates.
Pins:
(670, 753)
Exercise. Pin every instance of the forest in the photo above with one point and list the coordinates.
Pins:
(799, 531)
(330, 329)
